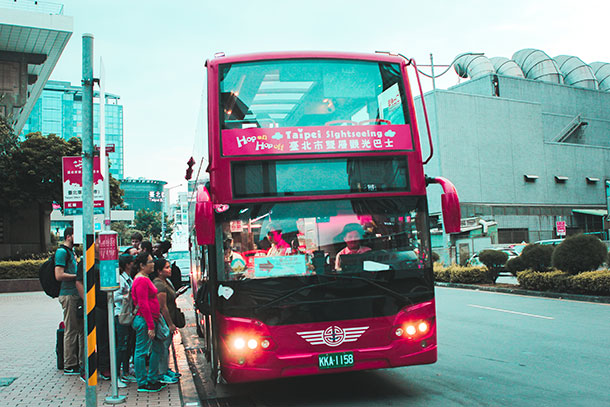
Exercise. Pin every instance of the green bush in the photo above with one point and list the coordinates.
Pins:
(441, 273)
(591, 283)
(537, 257)
(554, 280)
(579, 253)
(20, 269)
(515, 265)
(460, 274)
(494, 260)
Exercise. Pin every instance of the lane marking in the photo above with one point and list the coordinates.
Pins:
(510, 312)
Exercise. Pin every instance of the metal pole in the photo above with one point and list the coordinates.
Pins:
(89, 320)
(432, 72)
(114, 398)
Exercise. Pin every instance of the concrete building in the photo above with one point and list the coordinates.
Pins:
(33, 36)
(179, 213)
(59, 111)
(526, 142)
(141, 193)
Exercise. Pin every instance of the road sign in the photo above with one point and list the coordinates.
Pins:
(73, 186)
(561, 228)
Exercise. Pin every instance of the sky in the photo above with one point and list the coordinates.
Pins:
(154, 51)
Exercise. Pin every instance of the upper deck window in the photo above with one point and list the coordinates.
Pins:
(307, 97)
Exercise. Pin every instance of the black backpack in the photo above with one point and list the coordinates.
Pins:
(46, 275)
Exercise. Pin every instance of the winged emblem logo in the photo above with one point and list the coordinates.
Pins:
(333, 335)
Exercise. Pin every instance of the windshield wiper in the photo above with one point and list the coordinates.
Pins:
(395, 294)
(291, 293)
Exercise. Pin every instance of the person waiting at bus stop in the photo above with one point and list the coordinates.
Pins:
(166, 295)
(352, 235)
(144, 296)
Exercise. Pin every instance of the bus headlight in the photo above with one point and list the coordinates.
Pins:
(411, 330)
(252, 344)
(423, 327)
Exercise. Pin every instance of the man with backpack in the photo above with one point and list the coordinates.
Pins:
(65, 272)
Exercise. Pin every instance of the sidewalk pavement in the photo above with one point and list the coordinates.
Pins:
(27, 355)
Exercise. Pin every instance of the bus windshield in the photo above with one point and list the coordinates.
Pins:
(297, 93)
(337, 236)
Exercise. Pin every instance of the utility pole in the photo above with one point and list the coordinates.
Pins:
(89, 253)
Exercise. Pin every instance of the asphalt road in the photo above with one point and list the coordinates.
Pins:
(494, 350)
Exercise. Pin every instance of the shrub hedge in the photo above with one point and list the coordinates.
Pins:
(591, 283)
(20, 269)
(461, 274)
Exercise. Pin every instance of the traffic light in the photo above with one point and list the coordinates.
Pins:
(189, 170)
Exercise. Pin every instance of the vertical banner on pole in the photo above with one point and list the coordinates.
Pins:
(91, 335)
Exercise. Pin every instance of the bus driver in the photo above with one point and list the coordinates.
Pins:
(352, 234)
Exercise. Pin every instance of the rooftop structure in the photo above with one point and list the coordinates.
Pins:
(33, 35)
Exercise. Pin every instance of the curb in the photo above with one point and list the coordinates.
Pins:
(519, 291)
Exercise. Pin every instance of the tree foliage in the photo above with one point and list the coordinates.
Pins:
(124, 230)
(494, 260)
(537, 257)
(579, 253)
(149, 222)
(32, 171)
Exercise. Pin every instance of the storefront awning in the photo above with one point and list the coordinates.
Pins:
(593, 212)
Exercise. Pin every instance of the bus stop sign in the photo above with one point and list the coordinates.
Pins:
(561, 228)
(109, 261)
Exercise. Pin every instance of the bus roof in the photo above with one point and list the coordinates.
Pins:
(264, 56)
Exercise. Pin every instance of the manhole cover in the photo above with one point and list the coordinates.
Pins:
(6, 381)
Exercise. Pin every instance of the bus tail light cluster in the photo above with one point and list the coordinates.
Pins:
(245, 343)
(414, 322)
(413, 329)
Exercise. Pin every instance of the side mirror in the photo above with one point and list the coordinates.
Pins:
(205, 225)
(450, 204)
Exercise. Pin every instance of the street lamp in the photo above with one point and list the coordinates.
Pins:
(163, 211)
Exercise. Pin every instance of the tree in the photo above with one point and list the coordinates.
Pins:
(537, 257)
(124, 231)
(494, 260)
(149, 222)
(579, 253)
(34, 172)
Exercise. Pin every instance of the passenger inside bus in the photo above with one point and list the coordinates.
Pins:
(352, 236)
(279, 247)
(235, 264)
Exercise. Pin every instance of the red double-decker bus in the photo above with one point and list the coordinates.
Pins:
(311, 238)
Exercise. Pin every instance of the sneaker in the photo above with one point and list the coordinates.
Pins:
(168, 379)
(128, 378)
(150, 387)
(121, 384)
(105, 375)
(171, 373)
(72, 370)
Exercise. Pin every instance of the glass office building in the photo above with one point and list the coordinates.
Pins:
(59, 111)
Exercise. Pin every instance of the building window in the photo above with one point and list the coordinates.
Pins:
(516, 235)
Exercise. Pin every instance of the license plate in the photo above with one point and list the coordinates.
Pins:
(334, 360)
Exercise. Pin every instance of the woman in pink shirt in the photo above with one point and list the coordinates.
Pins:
(144, 296)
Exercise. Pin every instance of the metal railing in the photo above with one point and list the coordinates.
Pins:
(45, 7)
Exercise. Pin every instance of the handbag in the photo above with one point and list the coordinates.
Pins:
(128, 310)
(161, 329)
(179, 319)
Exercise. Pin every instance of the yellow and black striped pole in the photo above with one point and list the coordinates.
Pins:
(90, 340)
